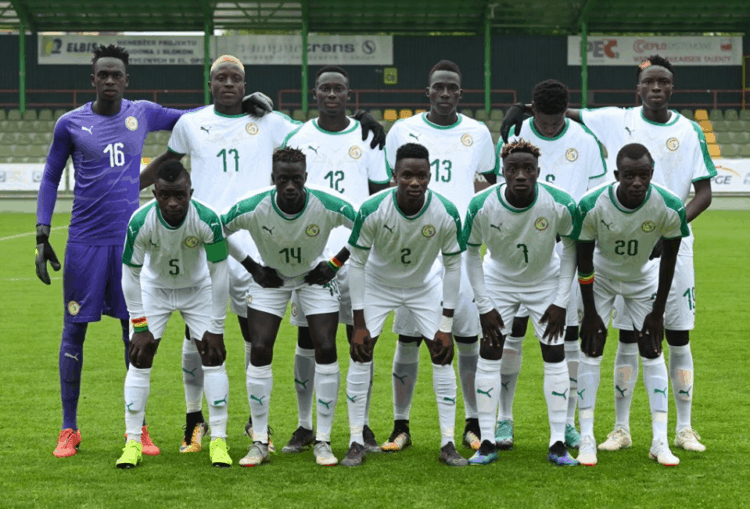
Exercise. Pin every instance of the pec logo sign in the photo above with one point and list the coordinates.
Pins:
(603, 48)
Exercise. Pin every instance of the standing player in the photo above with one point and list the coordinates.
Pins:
(290, 224)
(681, 160)
(619, 225)
(460, 148)
(105, 139)
(175, 260)
(519, 222)
(336, 158)
(572, 159)
(404, 229)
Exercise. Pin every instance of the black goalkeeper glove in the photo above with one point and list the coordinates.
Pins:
(44, 253)
(369, 124)
(257, 104)
(514, 118)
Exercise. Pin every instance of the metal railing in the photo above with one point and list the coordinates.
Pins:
(76, 98)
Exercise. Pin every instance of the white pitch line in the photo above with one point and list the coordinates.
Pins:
(28, 234)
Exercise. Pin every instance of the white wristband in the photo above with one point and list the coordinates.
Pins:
(446, 324)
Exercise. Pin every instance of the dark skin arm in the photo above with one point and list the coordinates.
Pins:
(490, 177)
(148, 176)
(142, 349)
(554, 317)
(653, 325)
(441, 347)
(593, 330)
(264, 276)
(362, 343)
(211, 349)
(492, 328)
(373, 188)
(322, 273)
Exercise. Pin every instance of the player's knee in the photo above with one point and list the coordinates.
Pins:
(519, 326)
(303, 338)
(553, 353)
(325, 353)
(627, 336)
(571, 333)
(677, 337)
(466, 340)
(261, 353)
(490, 353)
(409, 339)
(144, 361)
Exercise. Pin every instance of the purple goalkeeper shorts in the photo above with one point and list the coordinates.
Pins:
(92, 283)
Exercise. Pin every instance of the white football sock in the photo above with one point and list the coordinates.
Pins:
(488, 395)
(572, 355)
(468, 354)
(357, 382)
(626, 375)
(137, 387)
(327, 391)
(655, 380)
(589, 371)
(192, 376)
(369, 393)
(681, 374)
(304, 375)
(217, 395)
(510, 367)
(444, 384)
(557, 392)
(259, 385)
(405, 369)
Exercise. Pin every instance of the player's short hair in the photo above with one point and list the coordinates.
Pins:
(653, 60)
(331, 68)
(520, 145)
(289, 155)
(227, 59)
(412, 151)
(444, 65)
(172, 171)
(550, 97)
(111, 51)
(633, 151)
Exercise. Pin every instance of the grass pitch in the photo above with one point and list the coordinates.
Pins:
(32, 477)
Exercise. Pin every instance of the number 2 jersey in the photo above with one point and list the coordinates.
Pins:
(290, 244)
(174, 257)
(625, 237)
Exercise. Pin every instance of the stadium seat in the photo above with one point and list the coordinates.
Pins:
(29, 115)
(419, 112)
(299, 115)
(38, 151)
(706, 126)
(45, 115)
(745, 115)
(729, 150)
(20, 150)
(481, 115)
(713, 150)
(311, 114)
(744, 150)
(27, 126)
(162, 137)
(716, 115)
(151, 151)
(44, 126)
(687, 114)
(467, 113)
(701, 115)
(14, 115)
(731, 115)
(405, 113)
(9, 126)
(288, 113)
(150, 139)
(735, 125)
(720, 126)
(59, 113)
(2, 114)
(390, 115)
(494, 125)
(387, 124)
(745, 125)
(710, 138)
(723, 137)
(495, 137)
(5, 151)
(47, 137)
(496, 115)
(377, 114)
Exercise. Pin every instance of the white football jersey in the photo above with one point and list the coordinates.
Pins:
(174, 257)
(624, 237)
(342, 162)
(678, 147)
(457, 153)
(573, 160)
(403, 249)
(291, 245)
(521, 242)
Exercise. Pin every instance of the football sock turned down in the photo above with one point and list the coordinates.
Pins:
(137, 386)
(626, 375)
(510, 367)
(444, 384)
(217, 395)
(405, 369)
(468, 354)
(259, 385)
(488, 395)
(327, 392)
(71, 363)
(681, 374)
(192, 376)
(357, 383)
(304, 380)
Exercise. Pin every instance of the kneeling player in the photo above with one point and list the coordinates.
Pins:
(173, 237)
(624, 221)
(519, 222)
(405, 229)
(290, 223)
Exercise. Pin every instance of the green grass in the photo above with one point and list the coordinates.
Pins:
(32, 477)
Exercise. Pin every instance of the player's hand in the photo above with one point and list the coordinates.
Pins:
(267, 277)
(44, 253)
(211, 349)
(257, 104)
(441, 348)
(369, 124)
(656, 251)
(593, 333)
(142, 348)
(362, 345)
(513, 118)
(320, 275)
(653, 332)
(554, 317)
(492, 328)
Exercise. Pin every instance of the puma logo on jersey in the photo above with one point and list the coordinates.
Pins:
(496, 227)
(607, 225)
(415, 136)
(87, 129)
(207, 129)
(388, 228)
(313, 149)
(269, 230)
(630, 132)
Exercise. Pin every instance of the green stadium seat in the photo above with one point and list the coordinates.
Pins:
(744, 150)
(349, 112)
(720, 126)
(496, 114)
(152, 150)
(20, 150)
(735, 125)
(299, 115)
(44, 126)
(467, 113)
(59, 113)
(687, 113)
(387, 124)
(38, 151)
(2, 115)
(731, 115)
(729, 150)
(311, 114)
(11, 126)
(715, 115)
(162, 138)
(5, 151)
(47, 137)
(745, 125)
(741, 138)
(29, 115)
(25, 138)
(723, 137)
(27, 126)
(481, 115)
(494, 125)
(4, 139)
(150, 139)
(14, 115)
(378, 114)
(745, 115)
(45, 115)
(495, 137)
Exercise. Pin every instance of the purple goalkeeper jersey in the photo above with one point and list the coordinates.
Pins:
(106, 152)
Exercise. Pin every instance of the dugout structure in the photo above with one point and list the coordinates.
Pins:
(418, 17)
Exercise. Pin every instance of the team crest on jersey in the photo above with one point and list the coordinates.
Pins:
(191, 241)
(294, 309)
(131, 123)
(355, 152)
(251, 129)
(571, 155)
(428, 231)
(73, 308)
(673, 144)
(648, 226)
(541, 224)
(313, 230)
(467, 140)
(249, 299)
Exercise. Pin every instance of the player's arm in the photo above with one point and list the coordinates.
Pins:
(148, 175)
(362, 343)
(369, 125)
(264, 276)
(257, 104)
(325, 271)
(701, 200)
(593, 329)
